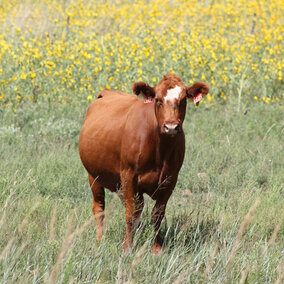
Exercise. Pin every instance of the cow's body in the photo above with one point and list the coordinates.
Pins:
(124, 145)
(121, 131)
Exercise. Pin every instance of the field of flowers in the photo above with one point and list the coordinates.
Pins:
(66, 51)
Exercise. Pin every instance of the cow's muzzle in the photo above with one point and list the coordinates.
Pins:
(171, 128)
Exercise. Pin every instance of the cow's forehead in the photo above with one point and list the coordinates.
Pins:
(172, 94)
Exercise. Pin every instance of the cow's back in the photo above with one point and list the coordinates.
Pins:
(101, 135)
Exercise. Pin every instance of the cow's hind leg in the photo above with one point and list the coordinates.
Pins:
(98, 205)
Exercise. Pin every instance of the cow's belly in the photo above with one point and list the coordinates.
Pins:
(110, 181)
(147, 182)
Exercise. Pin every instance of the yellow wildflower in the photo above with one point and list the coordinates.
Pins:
(90, 98)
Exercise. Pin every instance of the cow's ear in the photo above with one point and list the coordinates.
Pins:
(197, 91)
(145, 89)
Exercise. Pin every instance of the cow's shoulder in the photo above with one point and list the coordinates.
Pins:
(139, 135)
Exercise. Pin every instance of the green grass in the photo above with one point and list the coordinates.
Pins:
(233, 159)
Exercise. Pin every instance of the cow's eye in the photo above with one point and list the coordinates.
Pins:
(158, 102)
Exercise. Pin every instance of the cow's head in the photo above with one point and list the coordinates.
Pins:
(170, 97)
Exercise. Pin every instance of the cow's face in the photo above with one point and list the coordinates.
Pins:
(170, 107)
(170, 98)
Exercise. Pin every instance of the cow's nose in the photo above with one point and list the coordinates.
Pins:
(171, 128)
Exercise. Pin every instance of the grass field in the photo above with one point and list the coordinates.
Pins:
(224, 221)
(233, 160)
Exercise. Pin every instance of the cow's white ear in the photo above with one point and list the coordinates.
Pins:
(197, 91)
(145, 89)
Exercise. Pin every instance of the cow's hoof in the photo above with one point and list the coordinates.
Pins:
(126, 248)
(157, 249)
(99, 236)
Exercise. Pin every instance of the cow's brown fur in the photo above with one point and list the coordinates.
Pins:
(125, 143)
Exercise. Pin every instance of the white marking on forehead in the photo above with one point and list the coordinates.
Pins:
(173, 94)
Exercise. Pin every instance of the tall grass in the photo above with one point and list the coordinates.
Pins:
(224, 222)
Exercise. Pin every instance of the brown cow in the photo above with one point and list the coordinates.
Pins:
(138, 146)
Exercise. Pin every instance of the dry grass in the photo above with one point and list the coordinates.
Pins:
(248, 218)
(67, 247)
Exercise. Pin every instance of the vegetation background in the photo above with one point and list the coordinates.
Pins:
(224, 222)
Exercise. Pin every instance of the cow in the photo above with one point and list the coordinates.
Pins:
(137, 146)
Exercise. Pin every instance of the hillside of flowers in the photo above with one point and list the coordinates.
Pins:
(67, 51)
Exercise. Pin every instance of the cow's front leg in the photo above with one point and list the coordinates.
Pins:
(133, 205)
(157, 216)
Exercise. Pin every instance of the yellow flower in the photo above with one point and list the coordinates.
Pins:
(23, 76)
(209, 98)
(90, 98)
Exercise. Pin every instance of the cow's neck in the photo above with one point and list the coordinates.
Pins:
(166, 145)
(165, 148)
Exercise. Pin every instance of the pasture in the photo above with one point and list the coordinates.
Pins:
(224, 221)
